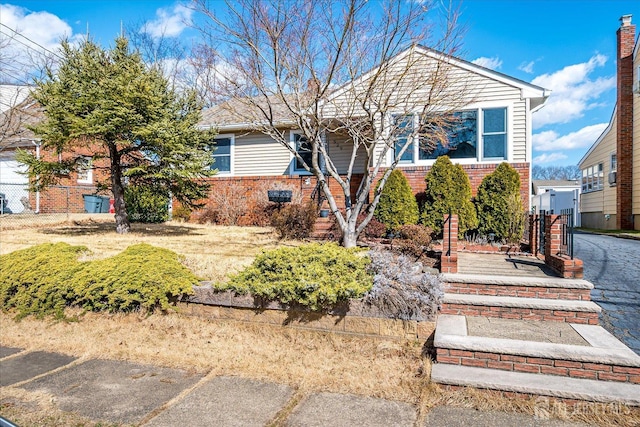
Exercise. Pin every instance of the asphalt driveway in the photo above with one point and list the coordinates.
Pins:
(613, 266)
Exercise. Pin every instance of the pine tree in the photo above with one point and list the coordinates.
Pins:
(448, 190)
(397, 205)
(110, 103)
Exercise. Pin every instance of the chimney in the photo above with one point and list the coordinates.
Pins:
(624, 138)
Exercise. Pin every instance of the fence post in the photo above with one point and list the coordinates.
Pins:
(449, 258)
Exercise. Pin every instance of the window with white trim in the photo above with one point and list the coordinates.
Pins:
(222, 148)
(403, 126)
(84, 169)
(614, 162)
(478, 134)
(593, 178)
(303, 147)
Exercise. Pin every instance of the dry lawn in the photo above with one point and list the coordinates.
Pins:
(211, 252)
(306, 360)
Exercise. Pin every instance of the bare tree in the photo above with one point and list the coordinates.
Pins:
(569, 173)
(354, 68)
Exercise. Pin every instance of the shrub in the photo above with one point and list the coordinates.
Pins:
(499, 204)
(400, 289)
(141, 277)
(448, 189)
(45, 279)
(397, 205)
(413, 241)
(373, 230)
(295, 221)
(182, 213)
(38, 280)
(314, 275)
(146, 204)
(229, 203)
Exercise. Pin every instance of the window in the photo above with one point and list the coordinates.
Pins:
(593, 178)
(303, 148)
(222, 153)
(473, 134)
(614, 162)
(494, 135)
(85, 170)
(403, 128)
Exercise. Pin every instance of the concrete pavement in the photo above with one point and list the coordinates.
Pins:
(128, 393)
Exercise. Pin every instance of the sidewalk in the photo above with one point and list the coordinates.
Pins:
(128, 393)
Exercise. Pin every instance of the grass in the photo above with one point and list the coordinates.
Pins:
(308, 361)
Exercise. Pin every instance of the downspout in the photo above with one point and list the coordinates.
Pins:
(37, 144)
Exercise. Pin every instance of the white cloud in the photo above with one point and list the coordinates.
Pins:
(549, 158)
(573, 91)
(527, 67)
(24, 50)
(585, 137)
(169, 22)
(491, 63)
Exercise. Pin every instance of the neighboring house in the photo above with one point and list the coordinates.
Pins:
(67, 197)
(555, 195)
(496, 126)
(611, 167)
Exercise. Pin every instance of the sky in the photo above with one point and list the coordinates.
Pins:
(566, 46)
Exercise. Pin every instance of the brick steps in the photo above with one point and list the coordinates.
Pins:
(537, 384)
(322, 229)
(572, 311)
(598, 356)
(524, 287)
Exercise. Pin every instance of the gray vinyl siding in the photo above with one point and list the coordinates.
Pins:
(258, 154)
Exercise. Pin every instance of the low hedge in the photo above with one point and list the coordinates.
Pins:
(44, 279)
(315, 275)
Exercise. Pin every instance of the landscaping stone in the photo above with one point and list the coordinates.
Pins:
(30, 365)
(331, 409)
(226, 401)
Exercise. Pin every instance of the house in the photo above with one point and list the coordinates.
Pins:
(611, 167)
(494, 126)
(67, 197)
(555, 195)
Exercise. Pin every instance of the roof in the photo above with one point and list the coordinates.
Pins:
(233, 114)
(553, 183)
(14, 122)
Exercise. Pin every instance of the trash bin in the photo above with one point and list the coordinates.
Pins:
(104, 206)
(92, 204)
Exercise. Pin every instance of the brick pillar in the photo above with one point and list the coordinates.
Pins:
(449, 259)
(624, 135)
(553, 236)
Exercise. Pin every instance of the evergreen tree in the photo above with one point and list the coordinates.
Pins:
(448, 190)
(397, 205)
(499, 204)
(110, 103)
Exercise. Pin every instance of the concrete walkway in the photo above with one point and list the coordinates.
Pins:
(127, 393)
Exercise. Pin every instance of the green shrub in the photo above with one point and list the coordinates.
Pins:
(142, 277)
(295, 221)
(182, 213)
(146, 204)
(397, 205)
(499, 204)
(448, 189)
(314, 275)
(44, 279)
(38, 280)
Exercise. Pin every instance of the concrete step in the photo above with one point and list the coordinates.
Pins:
(552, 348)
(571, 311)
(513, 286)
(537, 384)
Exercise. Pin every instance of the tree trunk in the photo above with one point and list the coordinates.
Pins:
(122, 220)
(349, 236)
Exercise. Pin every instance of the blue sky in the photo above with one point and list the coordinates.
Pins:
(567, 46)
